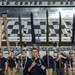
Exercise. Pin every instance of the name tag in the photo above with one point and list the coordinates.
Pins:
(43, 67)
(20, 65)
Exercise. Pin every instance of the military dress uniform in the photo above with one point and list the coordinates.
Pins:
(49, 61)
(60, 66)
(22, 61)
(71, 68)
(3, 60)
(12, 61)
(38, 69)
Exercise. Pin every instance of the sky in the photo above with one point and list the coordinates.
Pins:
(39, 12)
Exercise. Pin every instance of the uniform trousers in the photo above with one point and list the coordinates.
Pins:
(2, 72)
(21, 70)
(48, 71)
(11, 71)
(71, 72)
(60, 71)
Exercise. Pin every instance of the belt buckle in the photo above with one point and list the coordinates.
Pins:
(0, 69)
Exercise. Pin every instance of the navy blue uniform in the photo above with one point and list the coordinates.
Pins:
(36, 70)
(51, 61)
(2, 65)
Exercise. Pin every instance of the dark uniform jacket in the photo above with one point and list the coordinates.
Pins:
(60, 63)
(2, 65)
(51, 61)
(37, 69)
(12, 61)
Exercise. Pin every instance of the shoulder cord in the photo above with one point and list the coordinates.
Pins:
(14, 58)
(36, 63)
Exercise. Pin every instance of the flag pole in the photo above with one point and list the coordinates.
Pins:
(20, 31)
(32, 31)
(73, 32)
(47, 40)
(60, 29)
(47, 29)
(33, 36)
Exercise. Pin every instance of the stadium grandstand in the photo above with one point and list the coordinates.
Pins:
(15, 8)
(41, 25)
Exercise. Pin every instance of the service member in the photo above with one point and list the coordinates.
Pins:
(70, 61)
(22, 61)
(36, 66)
(49, 61)
(60, 64)
(12, 64)
(3, 64)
